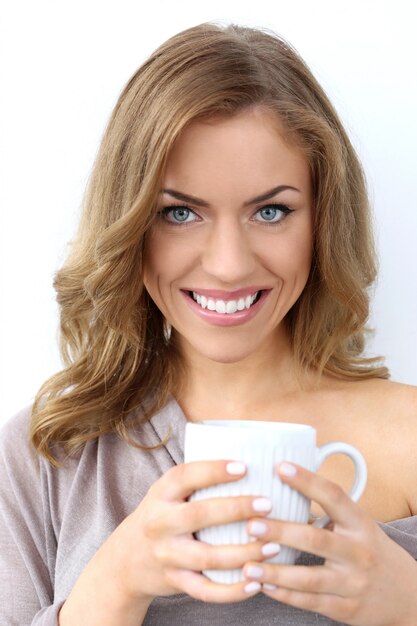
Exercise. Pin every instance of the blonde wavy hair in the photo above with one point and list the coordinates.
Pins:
(113, 342)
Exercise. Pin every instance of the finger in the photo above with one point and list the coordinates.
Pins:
(321, 542)
(193, 516)
(179, 482)
(336, 503)
(197, 555)
(311, 579)
(200, 587)
(332, 606)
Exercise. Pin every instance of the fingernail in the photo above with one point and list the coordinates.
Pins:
(254, 571)
(269, 587)
(257, 528)
(253, 586)
(262, 504)
(270, 548)
(236, 468)
(286, 469)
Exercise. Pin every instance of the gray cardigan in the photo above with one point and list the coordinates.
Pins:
(52, 521)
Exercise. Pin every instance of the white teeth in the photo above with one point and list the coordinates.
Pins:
(222, 306)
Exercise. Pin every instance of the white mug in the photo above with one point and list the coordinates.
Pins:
(261, 446)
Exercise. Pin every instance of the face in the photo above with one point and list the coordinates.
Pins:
(225, 265)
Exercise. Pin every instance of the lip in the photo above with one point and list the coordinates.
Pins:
(219, 294)
(227, 319)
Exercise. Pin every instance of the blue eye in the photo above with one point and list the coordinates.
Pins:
(274, 213)
(178, 215)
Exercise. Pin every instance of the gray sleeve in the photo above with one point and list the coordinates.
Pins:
(27, 542)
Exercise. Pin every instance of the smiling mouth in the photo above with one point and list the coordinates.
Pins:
(225, 306)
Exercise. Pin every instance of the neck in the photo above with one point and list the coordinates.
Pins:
(237, 390)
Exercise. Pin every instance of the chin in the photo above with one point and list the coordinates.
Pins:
(223, 358)
(226, 354)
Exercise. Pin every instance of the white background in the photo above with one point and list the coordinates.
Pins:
(62, 67)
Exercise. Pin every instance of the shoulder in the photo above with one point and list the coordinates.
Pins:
(18, 423)
(385, 408)
(20, 473)
(393, 412)
(15, 446)
(385, 416)
(381, 399)
(391, 408)
(394, 400)
(381, 414)
(389, 390)
(22, 468)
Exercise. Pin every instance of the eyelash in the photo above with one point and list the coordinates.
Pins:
(167, 209)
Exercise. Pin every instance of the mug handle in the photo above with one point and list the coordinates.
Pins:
(361, 472)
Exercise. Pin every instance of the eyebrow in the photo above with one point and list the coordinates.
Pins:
(184, 197)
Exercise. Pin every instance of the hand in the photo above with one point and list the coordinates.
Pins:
(366, 579)
(153, 551)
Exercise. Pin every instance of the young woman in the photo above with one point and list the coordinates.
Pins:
(221, 270)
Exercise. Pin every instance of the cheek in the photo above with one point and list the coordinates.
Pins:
(291, 257)
(166, 259)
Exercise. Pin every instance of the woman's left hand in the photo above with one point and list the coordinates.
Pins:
(366, 579)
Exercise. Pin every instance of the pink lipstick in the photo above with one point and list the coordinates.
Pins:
(250, 301)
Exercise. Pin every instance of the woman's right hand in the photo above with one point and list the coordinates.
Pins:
(156, 547)
(153, 551)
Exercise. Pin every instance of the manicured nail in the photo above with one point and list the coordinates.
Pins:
(236, 468)
(257, 528)
(254, 571)
(262, 504)
(269, 587)
(286, 469)
(253, 586)
(270, 548)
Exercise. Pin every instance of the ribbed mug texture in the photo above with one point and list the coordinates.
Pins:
(261, 446)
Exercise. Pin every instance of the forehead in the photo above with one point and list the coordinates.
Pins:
(250, 150)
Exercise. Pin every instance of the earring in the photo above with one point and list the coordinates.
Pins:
(167, 330)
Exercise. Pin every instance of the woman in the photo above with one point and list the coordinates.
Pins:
(221, 270)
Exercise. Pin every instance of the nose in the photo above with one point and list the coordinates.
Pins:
(227, 254)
